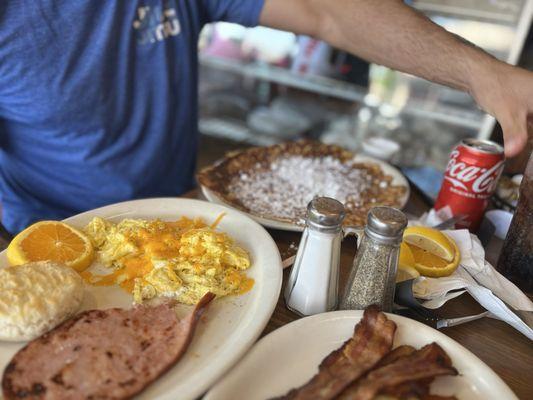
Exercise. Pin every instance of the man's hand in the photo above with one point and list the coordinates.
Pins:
(506, 93)
(390, 33)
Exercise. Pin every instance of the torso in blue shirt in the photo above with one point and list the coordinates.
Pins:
(98, 101)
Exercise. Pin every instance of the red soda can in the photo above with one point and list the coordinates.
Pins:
(470, 180)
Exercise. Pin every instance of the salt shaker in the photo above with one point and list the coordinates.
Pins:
(313, 284)
(373, 276)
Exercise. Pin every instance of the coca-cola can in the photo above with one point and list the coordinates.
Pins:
(470, 180)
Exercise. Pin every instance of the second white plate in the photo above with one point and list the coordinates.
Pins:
(289, 357)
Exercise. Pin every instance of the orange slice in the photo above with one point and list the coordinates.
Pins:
(406, 264)
(51, 241)
(428, 264)
(431, 240)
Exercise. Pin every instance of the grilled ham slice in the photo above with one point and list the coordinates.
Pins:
(102, 354)
(372, 339)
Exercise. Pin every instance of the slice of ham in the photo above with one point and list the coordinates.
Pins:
(102, 354)
(428, 362)
(372, 339)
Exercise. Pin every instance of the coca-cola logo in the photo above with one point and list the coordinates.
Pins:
(483, 179)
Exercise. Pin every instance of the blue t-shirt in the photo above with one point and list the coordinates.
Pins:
(98, 101)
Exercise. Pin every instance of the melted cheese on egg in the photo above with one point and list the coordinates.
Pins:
(183, 259)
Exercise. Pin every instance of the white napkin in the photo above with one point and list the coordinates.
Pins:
(477, 277)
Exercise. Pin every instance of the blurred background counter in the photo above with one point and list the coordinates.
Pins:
(260, 86)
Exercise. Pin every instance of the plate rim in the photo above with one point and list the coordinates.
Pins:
(388, 169)
(357, 315)
(227, 357)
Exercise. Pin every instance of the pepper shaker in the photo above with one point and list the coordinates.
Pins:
(373, 276)
(313, 284)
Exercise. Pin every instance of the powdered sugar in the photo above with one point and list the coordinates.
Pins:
(285, 187)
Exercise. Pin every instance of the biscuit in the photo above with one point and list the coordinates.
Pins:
(35, 297)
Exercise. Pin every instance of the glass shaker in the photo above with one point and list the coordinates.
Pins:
(373, 276)
(313, 284)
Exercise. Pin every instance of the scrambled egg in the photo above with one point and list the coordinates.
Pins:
(183, 259)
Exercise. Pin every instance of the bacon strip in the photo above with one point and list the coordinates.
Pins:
(428, 362)
(397, 353)
(413, 396)
(406, 390)
(372, 339)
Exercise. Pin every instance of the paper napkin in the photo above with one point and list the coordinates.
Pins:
(479, 278)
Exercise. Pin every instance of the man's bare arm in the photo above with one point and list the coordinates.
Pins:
(390, 33)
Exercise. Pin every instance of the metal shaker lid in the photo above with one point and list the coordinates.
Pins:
(386, 222)
(325, 212)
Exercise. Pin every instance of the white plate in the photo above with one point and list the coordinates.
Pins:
(230, 325)
(289, 357)
(397, 179)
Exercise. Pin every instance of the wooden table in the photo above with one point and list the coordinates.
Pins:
(505, 350)
(501, 347)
